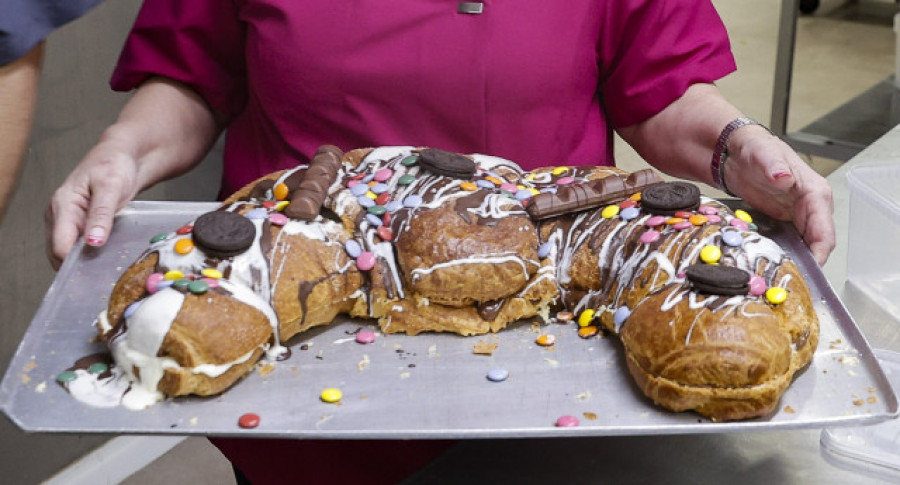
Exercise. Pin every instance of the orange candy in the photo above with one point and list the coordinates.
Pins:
(280, 191)
(673, 220)
(589, 331)
(698, 220)
(468, 186)
(546, 340)
(184, 246)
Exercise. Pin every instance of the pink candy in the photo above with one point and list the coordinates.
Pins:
(153, 281)
(739, 224)
(567, 421)
(383, 174)
(564, 180)
(365, 336)
(757, 285)
(680, 226)
(278, 218)
(365, 261)
(655, 221)
(713, 219)
(707, 210)
(649, 236)
(511, 188)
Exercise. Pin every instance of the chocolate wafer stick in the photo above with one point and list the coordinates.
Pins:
(307, 199)
(587, 195)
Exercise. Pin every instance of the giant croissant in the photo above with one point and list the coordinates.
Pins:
(713, 316)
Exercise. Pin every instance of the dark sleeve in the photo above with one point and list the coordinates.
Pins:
(652, 51)
(25, 23)
(199, 43)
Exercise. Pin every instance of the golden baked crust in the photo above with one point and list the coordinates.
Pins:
(451, 255)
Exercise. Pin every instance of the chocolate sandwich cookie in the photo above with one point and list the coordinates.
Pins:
(670, 197)
(447, 163)
(223, 234)
(718, 280)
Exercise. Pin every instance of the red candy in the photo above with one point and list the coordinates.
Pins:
(384, 233)
(184, 230)
(249, 420)
(383, 198)
(684, 214)
(625, 204)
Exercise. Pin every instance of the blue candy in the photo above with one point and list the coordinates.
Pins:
(365, 201)
(622, 314)
(544, 249)
(132, 308)
(497, 375)
(374, 220)
(359, 189)
(353, 248)
(629, 213)
(380, 188)
(412, 201)
(258, 213)
(732, 238)
(393, 206)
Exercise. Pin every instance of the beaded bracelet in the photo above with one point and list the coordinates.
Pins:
(720, 154)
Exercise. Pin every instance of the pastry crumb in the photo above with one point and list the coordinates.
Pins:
(266, 369)
(589, 415)
(484, 348)
(790, 410)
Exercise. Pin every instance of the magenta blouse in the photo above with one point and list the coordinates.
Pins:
(538, 82)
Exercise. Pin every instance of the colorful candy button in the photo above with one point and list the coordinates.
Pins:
(281, 205)
(683, 214)
(630, 213)
(383, 198)
(565, 317)
(278, 218)
(211, 273)
(152, 283)
(393, 206)
(280, 191)
(743, 215)
(378, 210)
(198, 287)
(620, 316)
(681, 226)
(589, 331)
(545, 340)
(173, 275)
(650, 236)
(635, 197)
(331, 395)
(655, 221)
(359, 189)
(698, 219)
(181, 231)
(610, 211)
(353, 248)
(385, 233)
(365, 336)
(184, 246)
(484, 184)
(560, 170)
(511, 188)
(713, 218)
(627, 203)
(257, 214)
(710, 254)
(544, 249)
(412, 201)
(98, 368)
(565, 180)
(365, 201)
(674, 220)
(159, 237)
(494, 179)
(268, 204)
(406, 179)
(383, 174)
(567, 421)
(248, 420)
(379, 188)
(732, 238)
(757, 285)
(707, 210)
(66, 376)
(468, 186)
(523, 195)
(365, 261)
(409, 160)
(129, 311)
(497, 375)
(213, 283)
(739, 224)
(776, 295)
(374, 219)
(586, 318)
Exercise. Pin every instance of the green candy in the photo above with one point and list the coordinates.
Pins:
(406, 179)
(159, 237)
(378, 210)
(181, 284)
(409, 161)
(98, 368)
(198, 287)
(66, 376)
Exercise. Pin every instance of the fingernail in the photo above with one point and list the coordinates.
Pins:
(96, 236)
(781, 174)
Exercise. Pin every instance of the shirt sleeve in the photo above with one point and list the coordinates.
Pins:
(651, 51)
(199, 43)
(25, 23)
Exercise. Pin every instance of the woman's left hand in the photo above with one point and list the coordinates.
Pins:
(772, 178)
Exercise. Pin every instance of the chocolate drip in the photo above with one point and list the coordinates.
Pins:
(587, 195)
(489, 310)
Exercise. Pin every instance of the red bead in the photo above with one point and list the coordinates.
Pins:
(249, 420)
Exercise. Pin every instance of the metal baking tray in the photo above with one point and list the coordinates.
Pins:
(426, 386)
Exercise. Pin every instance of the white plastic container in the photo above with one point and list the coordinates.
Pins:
(873, 252)
(873, 450)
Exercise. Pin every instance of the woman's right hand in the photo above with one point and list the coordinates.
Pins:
(163, 131)
(85, 204)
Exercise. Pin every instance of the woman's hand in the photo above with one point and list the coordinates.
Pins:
(771, 177)
(163, 131)
(104, 181)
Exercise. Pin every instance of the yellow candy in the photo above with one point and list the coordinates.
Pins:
(610, 211)
(776, 295)
(560, 170)
(493, 180)
(743, 215)
(468, 186)
(673, 220)
(585, 318)
(710, 254)
(173, 275)
(281, 205)
(546, 340)
(184, 246)
(280, 191)
(530, 176)
(211, 273)
(534, 191)
(331, 395)
(371, 195)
